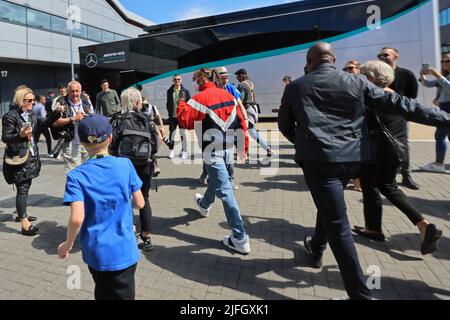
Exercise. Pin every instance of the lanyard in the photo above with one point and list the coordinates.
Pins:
(99, 156)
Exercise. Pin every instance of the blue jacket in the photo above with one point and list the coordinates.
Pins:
(324, 114)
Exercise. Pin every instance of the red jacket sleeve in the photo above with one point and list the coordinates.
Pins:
(187, 116)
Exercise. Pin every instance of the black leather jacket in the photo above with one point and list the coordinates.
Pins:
(18, 146)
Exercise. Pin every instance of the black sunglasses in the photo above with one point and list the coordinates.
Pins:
(177, 79)
(29, 100)
(445, 61)
(383, 55)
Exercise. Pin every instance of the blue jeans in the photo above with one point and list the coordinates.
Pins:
(327, 182)
(441, 137)
(255, 135)
(230, 169)
(219, 185)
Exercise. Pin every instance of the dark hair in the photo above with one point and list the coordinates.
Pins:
(50, 92)
(139, 87)
(287, 78)
(62, 86)
(103, 81)
(205, 72)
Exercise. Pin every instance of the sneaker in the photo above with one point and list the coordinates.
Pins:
(241, 246)
(171, 154)
(138, 239)
(269, 152)
(433, 167)
(146, 244)
(184, 155)
(235, 186)
(205, 212)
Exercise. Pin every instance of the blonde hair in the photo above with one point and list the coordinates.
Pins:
(129, 98)
(20, 95)
(380, 72)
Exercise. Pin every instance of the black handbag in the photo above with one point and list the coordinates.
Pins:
(398, 150)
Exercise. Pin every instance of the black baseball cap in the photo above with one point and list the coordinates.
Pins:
(241, 71)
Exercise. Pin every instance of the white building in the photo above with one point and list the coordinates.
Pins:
(35, 39)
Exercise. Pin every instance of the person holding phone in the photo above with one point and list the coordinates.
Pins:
(442, 83)
(21, 162)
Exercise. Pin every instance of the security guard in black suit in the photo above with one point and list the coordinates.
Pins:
(323, 114)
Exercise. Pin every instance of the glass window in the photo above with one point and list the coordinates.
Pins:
(12, 12)
(444, 17)
(94, 34)
(448, 16)
(107, 36)
(118, 37)
(38, 19)
(81, 32)
(59, 24)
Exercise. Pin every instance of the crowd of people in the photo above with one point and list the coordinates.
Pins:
(353, 123)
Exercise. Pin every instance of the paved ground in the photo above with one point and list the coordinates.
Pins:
(189, 260)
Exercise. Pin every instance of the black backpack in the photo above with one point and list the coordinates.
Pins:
(134, 137)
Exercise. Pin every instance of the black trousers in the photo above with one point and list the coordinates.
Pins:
(145, 214)
(21, 198)
(114, 285)
(327, 182)
(405, 165)
(173, 125)
(48, 139)
(380, 178)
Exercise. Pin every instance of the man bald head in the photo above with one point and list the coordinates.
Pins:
(318, 54)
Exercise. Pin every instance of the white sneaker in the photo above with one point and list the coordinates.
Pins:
(235, 186)
(241, 246)
(204, 212)
(184, 155)
(433, 167)
(171, 154)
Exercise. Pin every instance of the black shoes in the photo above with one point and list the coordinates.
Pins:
(146, 244)
(30, 218)
(32, 231)
(316, 260)
(409, 183)
(377, 236)
(431, 240)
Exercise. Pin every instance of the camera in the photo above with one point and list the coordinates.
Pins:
(64, 136)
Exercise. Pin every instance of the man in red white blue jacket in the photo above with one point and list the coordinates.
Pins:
(221, 121)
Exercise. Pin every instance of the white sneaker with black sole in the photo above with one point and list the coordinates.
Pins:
(204, 212)
(241, 246)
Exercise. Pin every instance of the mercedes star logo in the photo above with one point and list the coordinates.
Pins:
(91, 60)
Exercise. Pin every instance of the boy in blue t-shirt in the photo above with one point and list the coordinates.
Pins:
(100, 194)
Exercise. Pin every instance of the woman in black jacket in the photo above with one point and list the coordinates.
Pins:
(21, 161)
(379, 174)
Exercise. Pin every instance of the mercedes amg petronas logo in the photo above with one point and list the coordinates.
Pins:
(91, 60)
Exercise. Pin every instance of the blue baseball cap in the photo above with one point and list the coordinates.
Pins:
(94, 129)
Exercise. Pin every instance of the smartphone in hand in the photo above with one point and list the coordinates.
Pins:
(425, 66)
(26, 125)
